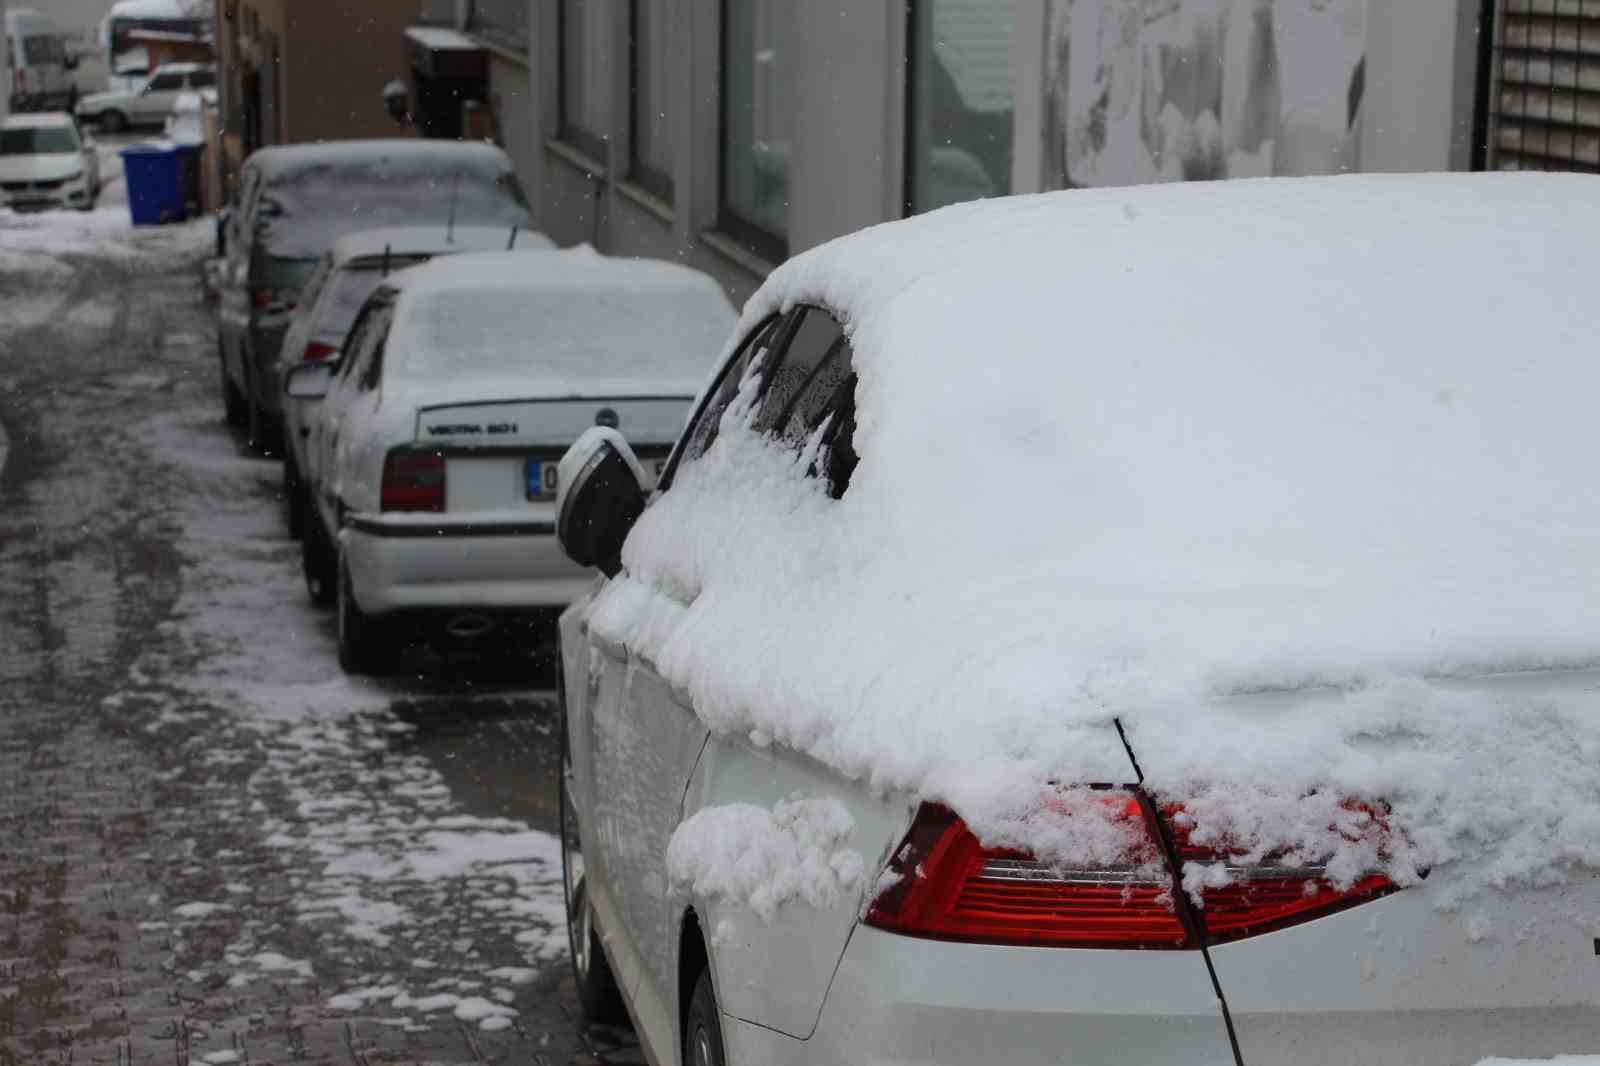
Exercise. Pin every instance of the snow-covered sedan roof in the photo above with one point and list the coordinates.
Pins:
(287, 161)
(567, 323)
(428, 240)
(39, 120)
(1126, 454)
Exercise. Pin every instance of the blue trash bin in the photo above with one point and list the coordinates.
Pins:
(154, 173)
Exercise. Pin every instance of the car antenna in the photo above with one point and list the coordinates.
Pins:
(386, 259)
(450, 231)
(512, 243)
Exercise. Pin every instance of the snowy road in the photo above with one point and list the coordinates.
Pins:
(214, 847)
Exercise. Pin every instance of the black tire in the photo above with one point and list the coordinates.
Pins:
(702, 1027)
(112, 121)
(360, 635)
(294, 508)
(598, 995)
(233, 405)
(319, 563)
(261, 437)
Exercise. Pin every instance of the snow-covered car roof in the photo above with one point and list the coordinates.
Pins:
(316, 193)
(427, 240)
(39, 120)
(285, 162)
(1127, 455)
(563, 324)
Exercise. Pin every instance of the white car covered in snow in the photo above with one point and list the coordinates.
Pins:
(432, 463)
(1147, 625)
(343, 279)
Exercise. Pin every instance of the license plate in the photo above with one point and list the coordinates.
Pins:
(543, 478)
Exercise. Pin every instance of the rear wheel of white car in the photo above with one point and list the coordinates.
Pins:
(598, 995)
(112, 121)
(294, 510)
(233, 406)
(319, 564)
(702, 1029)
(359, 633)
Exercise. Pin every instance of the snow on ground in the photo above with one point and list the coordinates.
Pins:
(1160, 456)
(1559, 1060)
(388, 866)
(764, 859)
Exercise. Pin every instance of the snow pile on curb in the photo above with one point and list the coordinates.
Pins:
(1280, 444)
(764, 859)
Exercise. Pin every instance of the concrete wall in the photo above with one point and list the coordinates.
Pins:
(847, 132)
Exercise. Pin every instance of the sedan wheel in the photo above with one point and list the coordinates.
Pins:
(598, 995)
(112, 121)
(359, 633)
(702, 1042)
(318, 561)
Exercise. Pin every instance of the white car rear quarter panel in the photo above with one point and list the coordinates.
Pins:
(776, 973)
(899, 999)
(1510, 974)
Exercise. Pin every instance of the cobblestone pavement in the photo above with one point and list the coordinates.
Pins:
(213, 848)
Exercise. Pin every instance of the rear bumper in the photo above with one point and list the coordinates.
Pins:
(901, 1000)
(1511, 975)
(455, 563)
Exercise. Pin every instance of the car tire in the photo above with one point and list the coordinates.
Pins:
(318, 562)
(111, 121)
(702, 1026)
(233, 404)
(360, 635)
(598, 995)
(294, 505)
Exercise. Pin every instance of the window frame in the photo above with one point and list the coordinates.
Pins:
(777, 324)
(182, 80)
(651, 179)
(590, 143)
(764, 243)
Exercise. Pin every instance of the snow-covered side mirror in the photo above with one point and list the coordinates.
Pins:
(601, 495)
(309, 382)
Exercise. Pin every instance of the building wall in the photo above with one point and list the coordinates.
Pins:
(1360, 84)
(336, 59)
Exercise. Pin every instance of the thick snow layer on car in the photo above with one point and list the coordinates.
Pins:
(317, 193)
(1265, 470)
(765, 858)
(569, 323)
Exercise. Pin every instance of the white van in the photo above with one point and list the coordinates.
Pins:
(41, 66)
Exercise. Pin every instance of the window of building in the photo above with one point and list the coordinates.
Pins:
(585, 99)
(505, 22)
(754, 207)
(650, 133)
(960, 101)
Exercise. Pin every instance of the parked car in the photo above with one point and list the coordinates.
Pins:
(432, 462)
(345, 276)
(293, 202)
(41, 64)
(151, 103)
(1135, 625)
(46, 161)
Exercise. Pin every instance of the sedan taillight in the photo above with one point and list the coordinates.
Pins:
(947, 886)
(413, 481)
(316, 351)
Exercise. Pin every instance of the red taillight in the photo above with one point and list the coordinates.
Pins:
(263, 298)
(949, 887)
(413, 481)
(316, 351)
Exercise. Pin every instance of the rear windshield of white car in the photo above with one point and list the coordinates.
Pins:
(49, 140)
(306, 214)
(349, 288)
(568, 334)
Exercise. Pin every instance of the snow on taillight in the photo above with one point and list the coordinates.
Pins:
(317, 351)
(413, 481)
(944, 885)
